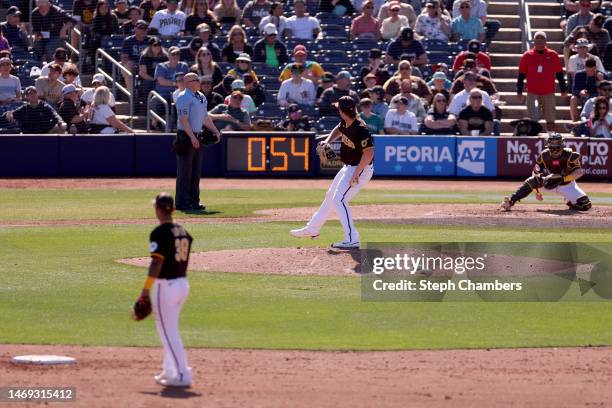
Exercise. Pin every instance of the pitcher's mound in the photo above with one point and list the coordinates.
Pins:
(276, 261)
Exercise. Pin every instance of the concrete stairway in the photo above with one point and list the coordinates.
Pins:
(506, 52)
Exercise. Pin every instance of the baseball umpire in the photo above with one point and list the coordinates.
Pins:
(357, 154)
(191, 106)
(170, 245)
(557, 169)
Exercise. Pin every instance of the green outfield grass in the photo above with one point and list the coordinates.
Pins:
(62, 285)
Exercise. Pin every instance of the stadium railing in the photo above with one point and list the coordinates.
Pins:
(78, 52)
(525, 25)
(151, 114)
(103, 58)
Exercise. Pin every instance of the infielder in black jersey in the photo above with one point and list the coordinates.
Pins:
(557, 169)
(357, 154)
(170, 245)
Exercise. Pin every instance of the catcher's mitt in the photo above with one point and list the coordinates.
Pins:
(552, 181)
(142, 308)
(326, 153)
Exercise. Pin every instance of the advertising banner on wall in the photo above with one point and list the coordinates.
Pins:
(476, 156)
(516, 156)
(414, 156)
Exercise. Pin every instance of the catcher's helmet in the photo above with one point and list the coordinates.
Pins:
(555, 139)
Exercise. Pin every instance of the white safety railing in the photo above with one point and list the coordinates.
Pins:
(525, 23)
(112, 77)
(76, 51)
(151, 114)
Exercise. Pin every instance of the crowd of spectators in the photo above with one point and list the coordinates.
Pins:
(254, 55)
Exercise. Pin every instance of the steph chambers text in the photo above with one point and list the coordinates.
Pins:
(430, 286)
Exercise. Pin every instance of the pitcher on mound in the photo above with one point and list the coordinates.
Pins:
(357, 154)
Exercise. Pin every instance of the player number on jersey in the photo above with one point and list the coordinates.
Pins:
(182, 249)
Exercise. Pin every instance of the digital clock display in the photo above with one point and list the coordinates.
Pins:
(268, 153)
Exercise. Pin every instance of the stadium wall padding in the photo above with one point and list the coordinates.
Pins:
(396, 156)
(95, 155)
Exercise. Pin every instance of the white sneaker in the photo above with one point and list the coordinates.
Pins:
(506, 205)
(174, 382)
(160, 376)
(304, 233)
(346, 245)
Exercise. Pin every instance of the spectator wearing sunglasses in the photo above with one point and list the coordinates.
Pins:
(475, 118)
(366, 25)
(433, 25)
(601, 119)
(465, 26)
(270, 49)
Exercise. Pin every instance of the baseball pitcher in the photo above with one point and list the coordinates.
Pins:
(557, 169)
(357, 154)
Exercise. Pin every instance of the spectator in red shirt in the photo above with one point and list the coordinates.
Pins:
(366, 25)
(540, 66)
(482, 59)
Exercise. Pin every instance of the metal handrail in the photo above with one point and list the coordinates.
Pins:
(152, 114)
(102, 55)
(526, 36)
(76, 51)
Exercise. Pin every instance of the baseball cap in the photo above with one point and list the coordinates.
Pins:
(141, 24)
(469, 63)
(174, 50)
(395, 6)
(407, 34)
(270, 29)
(238, 84)
(540, 34)
(403, 100)
(474, 46)
(13, 11)
(293, 108)
(30, 89)
(203, 28)
(206, 79)
(297, 68)
(98, 78)
(582, 43)
(345, 103)
(164, 201)
(244, 57)
(60, 54)
(343, 74)
(365, 101)
(378, 90)
(439, 75)
(327, 77)
(68, 88)
(299, 50)
(375, 53)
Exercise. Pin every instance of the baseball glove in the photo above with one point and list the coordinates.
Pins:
(207, 137)
(326, 153)
(552, 181)
(142, 308)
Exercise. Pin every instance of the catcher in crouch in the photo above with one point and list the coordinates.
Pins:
(357, 154)
(556, 169)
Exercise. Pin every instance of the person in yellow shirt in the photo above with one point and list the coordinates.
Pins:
(312, 69)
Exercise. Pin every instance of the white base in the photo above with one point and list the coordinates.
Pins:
(43, 360)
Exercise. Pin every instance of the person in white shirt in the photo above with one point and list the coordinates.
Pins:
(100, 113)
(169, 22)
(297, 90)
(461, 99)
(576, 61)
(433, 25)
(393, 25)
(301, 26)
(60, 57)
(276, 17)
(96, 82)
(400, 121)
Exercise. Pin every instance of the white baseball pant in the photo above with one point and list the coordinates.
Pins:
(571, 192)
(337, 197)
(170, 295)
